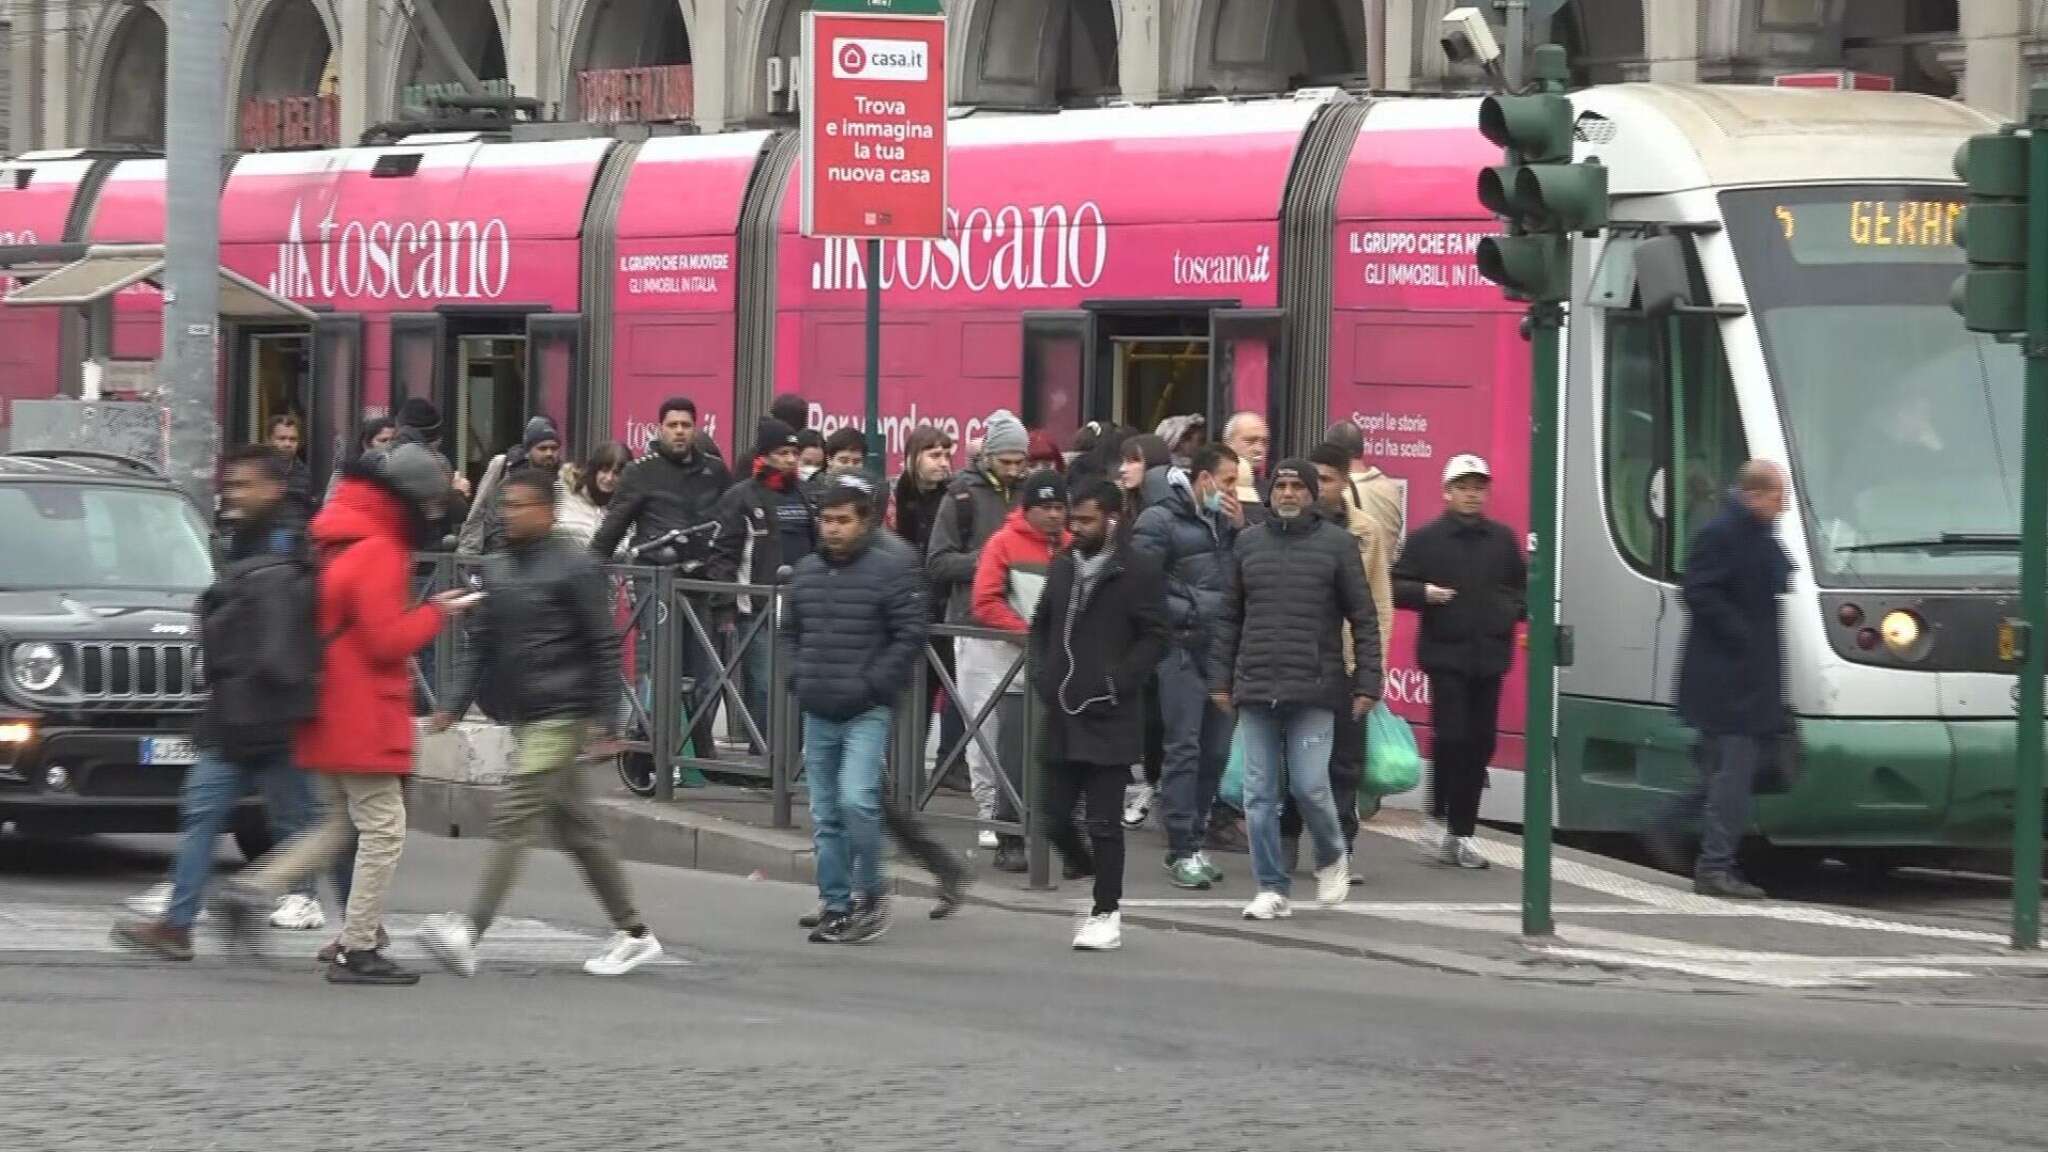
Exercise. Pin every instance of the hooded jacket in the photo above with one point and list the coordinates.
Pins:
(364, 720)
(483, 530)
(1011, 575)
(456, 509)
(856, 626)
(972, 511)
(1193, 547)
(1093, 646)
(660, 493)
(1480, 560)
(1289, 587)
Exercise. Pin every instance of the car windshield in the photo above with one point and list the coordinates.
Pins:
(1904, 427)
(73, 537)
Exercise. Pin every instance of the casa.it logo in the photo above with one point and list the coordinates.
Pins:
(867, 59)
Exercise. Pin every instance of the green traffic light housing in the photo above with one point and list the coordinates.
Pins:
(1992, 295)
(1537, 129)
(1536, 267)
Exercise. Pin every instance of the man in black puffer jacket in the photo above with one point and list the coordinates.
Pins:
(544, 642)
(1292, 584)
(855, 620)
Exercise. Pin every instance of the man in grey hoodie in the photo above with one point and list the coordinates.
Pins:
(976, 503)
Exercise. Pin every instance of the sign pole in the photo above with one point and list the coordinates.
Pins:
(872, 406)
(2026, 823)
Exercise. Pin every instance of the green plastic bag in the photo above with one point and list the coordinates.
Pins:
(1231, 790)
(1393, 764)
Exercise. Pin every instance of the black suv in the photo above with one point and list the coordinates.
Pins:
(102, 560)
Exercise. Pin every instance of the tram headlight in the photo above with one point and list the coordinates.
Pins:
(1905, 634)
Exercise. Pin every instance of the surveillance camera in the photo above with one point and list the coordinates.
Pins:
(1468, 38)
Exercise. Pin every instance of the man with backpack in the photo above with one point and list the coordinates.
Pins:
(253, 623)
(359, 737)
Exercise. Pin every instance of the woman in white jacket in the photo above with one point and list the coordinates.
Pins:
(583, 491)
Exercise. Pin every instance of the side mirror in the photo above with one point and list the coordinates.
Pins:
(1661, 276)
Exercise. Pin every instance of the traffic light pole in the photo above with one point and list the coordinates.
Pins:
(1546, 324)
(2026, 824)
(871, 404)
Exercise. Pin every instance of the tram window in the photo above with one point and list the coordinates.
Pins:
(1634, 407)
(492, 401)
(1710, 444)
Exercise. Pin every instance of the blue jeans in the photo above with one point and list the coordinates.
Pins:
(1293, 740)
(213, 786)
(1197, 750)
(843, 759)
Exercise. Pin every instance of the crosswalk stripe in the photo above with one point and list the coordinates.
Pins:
(43, 928)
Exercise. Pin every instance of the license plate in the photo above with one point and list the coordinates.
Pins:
(168, 750)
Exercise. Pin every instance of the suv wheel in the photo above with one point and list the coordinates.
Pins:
(253, 842)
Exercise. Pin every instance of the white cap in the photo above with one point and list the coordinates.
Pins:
(1466, 464)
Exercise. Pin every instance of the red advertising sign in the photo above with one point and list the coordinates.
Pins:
(875, 127)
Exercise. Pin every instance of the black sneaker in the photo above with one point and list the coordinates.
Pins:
(368, 968)
(832, 928)
(1010, 856)
(952, 893)
(241, 914)
(1078, 870)
(870, 922)
(1727, 885)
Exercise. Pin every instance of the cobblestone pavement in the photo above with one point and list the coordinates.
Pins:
(984, 1032)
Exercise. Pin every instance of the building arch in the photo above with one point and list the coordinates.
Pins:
(768, 28)
(616, 34)
(476, 26)
(127, 67)
(1038, 53)
(1259, 46)
(283, 48)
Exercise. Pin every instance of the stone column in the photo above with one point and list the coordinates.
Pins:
(362, 41)
(1671, 41)
(525, 64)
(1994, 64)
(63, 80)
(711, 53)
(1140, 48)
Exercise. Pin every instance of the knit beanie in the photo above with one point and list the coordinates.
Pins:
(1044, 486)
(1005, 433)
(772, 434)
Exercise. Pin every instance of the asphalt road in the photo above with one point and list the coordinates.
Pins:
(982, 1032)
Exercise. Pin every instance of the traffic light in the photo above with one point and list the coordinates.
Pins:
(1542, 196)
(1992, 295)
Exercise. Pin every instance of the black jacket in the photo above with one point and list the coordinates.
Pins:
(1194, 548)
(298, 493)
(1731, 678)
(661, 493)
(253, 630)
(1474, 634)
(749, 545)
(1092, 649)
(1289, 588)
(541, 645)
(917, 513)
(855, 625)
(971, 512)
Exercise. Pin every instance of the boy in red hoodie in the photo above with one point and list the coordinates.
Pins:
(1007, 583)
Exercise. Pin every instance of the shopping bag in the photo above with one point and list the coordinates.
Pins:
(1231, 791)
(1393, 764)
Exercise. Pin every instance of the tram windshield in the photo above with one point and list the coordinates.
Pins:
(1904, 427)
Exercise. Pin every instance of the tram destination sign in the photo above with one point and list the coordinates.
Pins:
(1888, 226)
(874, 122)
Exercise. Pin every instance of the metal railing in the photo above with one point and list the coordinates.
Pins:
(684, 647)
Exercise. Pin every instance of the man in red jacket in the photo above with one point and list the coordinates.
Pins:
(1007, 581)
(360, 740)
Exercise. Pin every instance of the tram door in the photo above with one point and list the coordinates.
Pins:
(277, 378)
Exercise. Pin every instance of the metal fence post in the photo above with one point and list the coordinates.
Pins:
(776, 726)
(1037, 846)
(661, 715)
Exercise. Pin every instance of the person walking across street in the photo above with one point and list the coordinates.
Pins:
(1465, 575)
(1190, 536)
(543, 639)
(977, 502)
(360, 737)
(1292, 585)
(1731, 674)
(1008, 583)
(253, 624)
(1099, 632)
(855, 620)
(676, 488)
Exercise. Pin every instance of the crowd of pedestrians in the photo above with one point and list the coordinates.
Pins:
(1164, 597)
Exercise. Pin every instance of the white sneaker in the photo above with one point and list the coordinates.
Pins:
(1268, 906)
(1461, 852)
(624, 953)
(296, 911)
(1434, 833)
(1138, 804)
(451, 939)
(988, 840)
(1101, 933)
(1333, 884)
(152, 904)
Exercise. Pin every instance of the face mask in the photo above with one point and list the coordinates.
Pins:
(806, 471)
(1213, 502)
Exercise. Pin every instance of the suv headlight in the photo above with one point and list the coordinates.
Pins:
(36, 667)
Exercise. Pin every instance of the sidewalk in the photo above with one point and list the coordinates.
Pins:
(1617, 924)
